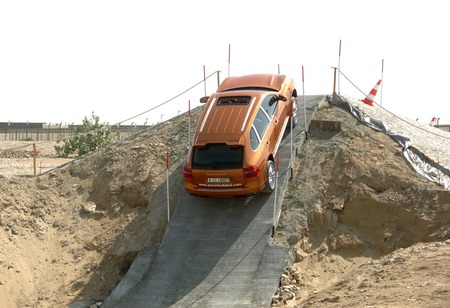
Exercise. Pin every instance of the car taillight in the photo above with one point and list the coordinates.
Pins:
(251, 172)
(187, 173)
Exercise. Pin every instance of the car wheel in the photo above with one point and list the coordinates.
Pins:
(270, 177)
(294, 117)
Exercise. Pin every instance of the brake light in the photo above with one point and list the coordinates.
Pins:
(187, 173)
(251, 172)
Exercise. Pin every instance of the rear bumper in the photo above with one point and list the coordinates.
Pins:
(222, 192)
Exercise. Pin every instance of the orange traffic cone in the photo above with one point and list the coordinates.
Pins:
(370, 98)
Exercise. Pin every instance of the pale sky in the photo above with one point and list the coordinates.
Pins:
(62, 60)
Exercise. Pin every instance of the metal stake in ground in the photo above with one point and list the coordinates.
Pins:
(275, 208)
(304, 103)
(189, 130)
(34, 159)
(168, 204)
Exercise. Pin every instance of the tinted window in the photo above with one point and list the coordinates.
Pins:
(254, 139)
(233, 100)
(217, 156)
(270, 104)
(261, 122)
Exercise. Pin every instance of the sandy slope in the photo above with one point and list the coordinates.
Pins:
(365, 228)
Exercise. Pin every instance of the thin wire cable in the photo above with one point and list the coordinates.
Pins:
(27, 145)
(144, 112)
(169, 100)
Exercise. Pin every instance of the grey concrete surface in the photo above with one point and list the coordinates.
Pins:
(216, 252)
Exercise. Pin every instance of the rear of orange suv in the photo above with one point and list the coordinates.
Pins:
(238, 136)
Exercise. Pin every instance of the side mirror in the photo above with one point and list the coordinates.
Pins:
(204, 99)
(282, 98)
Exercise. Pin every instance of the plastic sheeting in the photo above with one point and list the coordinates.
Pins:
(418, 160)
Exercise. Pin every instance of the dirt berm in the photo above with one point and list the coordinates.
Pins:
(367, 230)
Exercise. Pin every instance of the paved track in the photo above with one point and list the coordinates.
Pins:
(215, 252)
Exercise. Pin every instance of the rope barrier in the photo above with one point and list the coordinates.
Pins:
(135, 116)
(394, 115)
(169, 100)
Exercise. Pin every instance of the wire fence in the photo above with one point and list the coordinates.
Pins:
(394, 115)
(18, 140)
(59, 132)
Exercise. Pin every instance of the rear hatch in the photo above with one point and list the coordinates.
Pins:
(218, 166)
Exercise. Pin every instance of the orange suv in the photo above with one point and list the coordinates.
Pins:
(238, 135)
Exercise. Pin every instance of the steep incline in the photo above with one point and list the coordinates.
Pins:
(216, 252)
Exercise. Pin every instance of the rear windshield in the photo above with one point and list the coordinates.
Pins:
(217, 156)
(233, 100)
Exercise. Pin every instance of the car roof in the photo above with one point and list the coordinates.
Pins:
(227, 123)
(264, 81)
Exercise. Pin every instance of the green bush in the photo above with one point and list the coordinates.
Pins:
(93, 136)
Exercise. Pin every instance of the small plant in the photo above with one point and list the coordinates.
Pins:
(93, 136)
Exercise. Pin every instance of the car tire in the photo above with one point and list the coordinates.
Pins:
(270, 177)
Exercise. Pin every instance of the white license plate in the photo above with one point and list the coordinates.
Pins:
(219, 180)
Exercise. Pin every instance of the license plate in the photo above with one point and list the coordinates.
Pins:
(219, 180)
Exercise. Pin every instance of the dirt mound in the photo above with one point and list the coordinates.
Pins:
(355, 199)
(71, 234)
(16, 154)
(365, 227)
(407, 277)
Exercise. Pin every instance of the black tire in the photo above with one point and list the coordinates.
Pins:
(270, 177)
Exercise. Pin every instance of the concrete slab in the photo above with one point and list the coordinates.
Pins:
(215, 252)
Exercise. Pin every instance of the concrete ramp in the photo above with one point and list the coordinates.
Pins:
(215, 252)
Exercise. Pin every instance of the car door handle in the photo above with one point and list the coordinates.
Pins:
(267, 143)
(276, 122)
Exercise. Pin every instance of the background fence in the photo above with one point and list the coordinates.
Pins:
(16, 132)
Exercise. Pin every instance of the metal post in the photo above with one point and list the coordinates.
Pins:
(168, 203)
(204, 78)
(34, 159)
(333, 98)
(275, 209)
(381, 90)
(339, 67)
(229, 55)
(304, 102)
(189, 130)
(291, 163)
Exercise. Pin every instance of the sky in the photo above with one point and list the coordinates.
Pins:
(61, 61)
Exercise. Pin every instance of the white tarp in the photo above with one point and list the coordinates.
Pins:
(418, 160)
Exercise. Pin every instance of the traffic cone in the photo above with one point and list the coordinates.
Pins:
(432, 121)
(370, 98)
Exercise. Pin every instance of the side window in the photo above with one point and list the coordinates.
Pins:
(270, 104)
(254, 139)
(261, 122)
